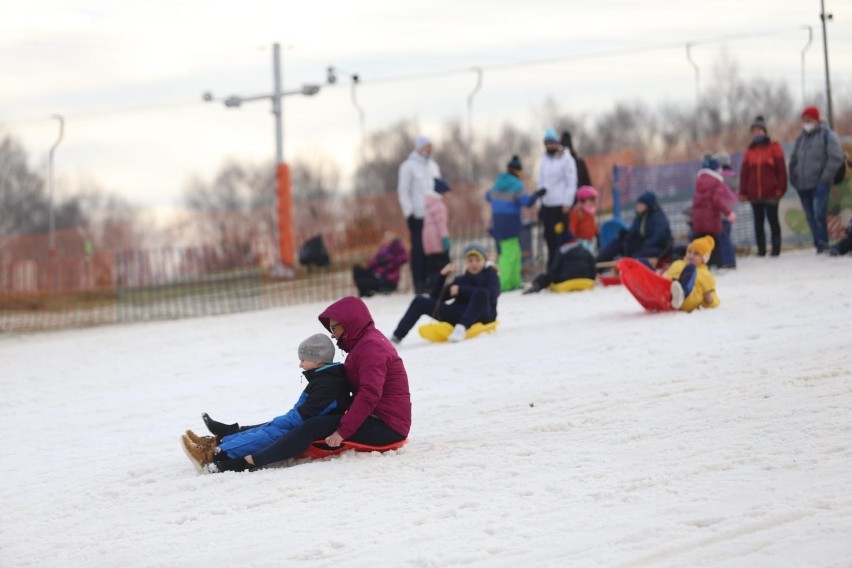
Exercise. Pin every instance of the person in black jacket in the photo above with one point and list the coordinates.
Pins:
(583, 177)
(474, 297)
(574, 261)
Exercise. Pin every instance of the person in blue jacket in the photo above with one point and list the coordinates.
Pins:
(507, 199)
(327, 393)
(649, 236)
(467, 299)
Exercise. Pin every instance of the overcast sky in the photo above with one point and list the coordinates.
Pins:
(128, 78)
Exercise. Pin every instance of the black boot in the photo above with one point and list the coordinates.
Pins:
(217, 428)
(776, 245)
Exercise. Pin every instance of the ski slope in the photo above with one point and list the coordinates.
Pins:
(584, 432)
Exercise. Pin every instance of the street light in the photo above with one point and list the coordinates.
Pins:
(284, 195)
(331, 78)
(51, 223)
(823, 16)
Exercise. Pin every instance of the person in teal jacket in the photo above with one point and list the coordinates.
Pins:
(507, 200)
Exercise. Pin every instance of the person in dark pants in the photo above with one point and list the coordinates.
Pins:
(649, 235)
(417, 175)
(380, 413)
(466, 300)
(382, 272)
(558, 175)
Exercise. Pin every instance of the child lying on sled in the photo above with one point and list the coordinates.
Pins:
(574, 262)
(231, 447)
(467, 299)
(693, 286)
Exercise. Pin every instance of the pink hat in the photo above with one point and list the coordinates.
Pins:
(812, 112)
(587, 192)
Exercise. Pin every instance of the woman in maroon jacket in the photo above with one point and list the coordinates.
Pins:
(763, 182)
(711, 200)
(380, 413)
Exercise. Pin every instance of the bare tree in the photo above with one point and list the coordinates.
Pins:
(23, 200)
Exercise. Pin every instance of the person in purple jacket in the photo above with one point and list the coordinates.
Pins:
(380, 412)
(463, 301)
(382, 273)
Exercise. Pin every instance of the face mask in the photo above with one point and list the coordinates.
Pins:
(808, 127)
(760, 139)
(551, 151)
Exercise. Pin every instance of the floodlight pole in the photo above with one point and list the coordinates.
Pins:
(807, 46)
(695, 122)
(823, 16)
(51, 217)
(478, 71)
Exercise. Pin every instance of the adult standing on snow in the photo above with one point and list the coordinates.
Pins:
(815, 159)
(417, 175)
(763, 182)
(558, 175)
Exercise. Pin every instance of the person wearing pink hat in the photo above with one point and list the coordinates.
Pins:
(582, 221)
(815, 159)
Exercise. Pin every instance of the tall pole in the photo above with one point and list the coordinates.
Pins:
(478, 71)
(284, 195)
(823, 16)
(807, 45)
(695, 123)
(51, 222)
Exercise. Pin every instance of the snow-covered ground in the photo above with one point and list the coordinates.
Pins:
(585, 432)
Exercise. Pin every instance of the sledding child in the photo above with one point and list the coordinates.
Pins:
(507, 200)
(382, 272)
(463, 301)
(231, 447)
(582, 222)
(693, 286)
(436, 231)
(574, 261)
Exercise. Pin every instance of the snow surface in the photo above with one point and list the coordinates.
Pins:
(585, 432)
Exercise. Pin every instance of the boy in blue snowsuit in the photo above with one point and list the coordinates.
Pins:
(507, 199)
(328, 392)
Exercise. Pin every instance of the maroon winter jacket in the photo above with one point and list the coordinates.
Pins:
(373, 367)
(763, 175)
(711, 200)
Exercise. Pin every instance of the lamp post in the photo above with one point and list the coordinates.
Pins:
(823, 16)
(283, 210)
(476, 88)
(331, 77)
(51, 222)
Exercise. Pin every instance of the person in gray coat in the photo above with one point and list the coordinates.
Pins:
(816, 157)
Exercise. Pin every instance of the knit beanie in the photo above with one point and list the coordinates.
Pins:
(812, 112)
(514, 163)
(703, 246)
(587, 192)
(421, 141)
(759, 122)
(317, 348)
(550, 135)
(475, 249)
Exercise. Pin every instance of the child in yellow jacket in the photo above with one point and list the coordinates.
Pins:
(693, 286)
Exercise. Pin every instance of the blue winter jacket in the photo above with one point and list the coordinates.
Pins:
(328, 392)
(650, 234)
(506, 200)
(468, 283)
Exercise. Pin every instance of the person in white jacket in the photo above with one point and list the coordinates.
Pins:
(558, 175)
(417, 175)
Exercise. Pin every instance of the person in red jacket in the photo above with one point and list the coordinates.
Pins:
(763, 182)
(710, 201)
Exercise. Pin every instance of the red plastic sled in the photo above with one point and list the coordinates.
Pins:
(318, 449)
(653, 291)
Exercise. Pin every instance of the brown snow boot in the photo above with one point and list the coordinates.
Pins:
(203, 441)
(199, 456)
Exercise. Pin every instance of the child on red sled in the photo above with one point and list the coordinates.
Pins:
(693, 286)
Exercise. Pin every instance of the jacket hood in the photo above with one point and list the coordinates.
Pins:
(353, 315)
(649, 199)
(508, 182)
(710, 172)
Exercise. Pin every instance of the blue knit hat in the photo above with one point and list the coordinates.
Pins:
(550, 135)
(474, 249)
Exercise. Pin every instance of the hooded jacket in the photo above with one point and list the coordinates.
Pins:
(763, 175)
(435, 223)
(388, 260)
(704, 282)
(710, 201)
(815, 159)
(374, 369)
(650, 233)
(416, 178)
(507, 198)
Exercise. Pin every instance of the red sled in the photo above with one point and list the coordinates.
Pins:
(319, 449)
(653, 291)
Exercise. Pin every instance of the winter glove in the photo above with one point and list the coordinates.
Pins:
(540, 192)
(732, 217)
(446, 242)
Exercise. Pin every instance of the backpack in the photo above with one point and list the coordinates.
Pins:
(842, 172)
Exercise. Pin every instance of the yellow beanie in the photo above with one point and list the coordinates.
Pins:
(703, 246)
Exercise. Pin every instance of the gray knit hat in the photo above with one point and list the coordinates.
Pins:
(317, 348)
